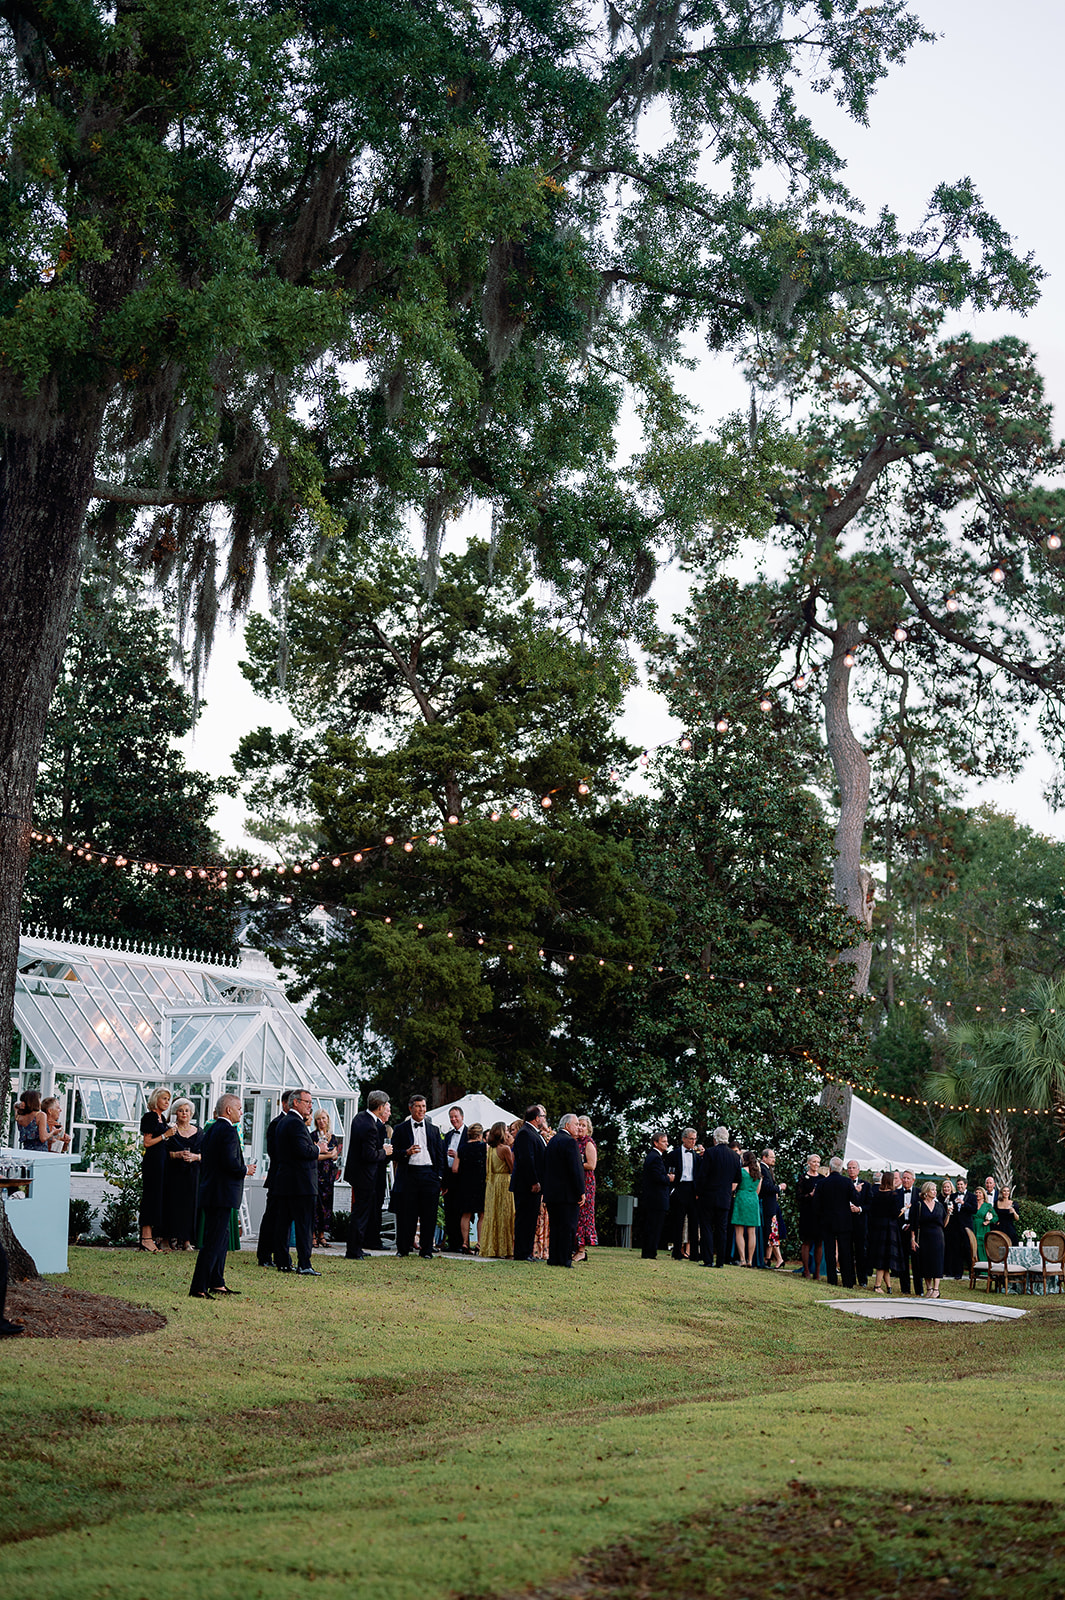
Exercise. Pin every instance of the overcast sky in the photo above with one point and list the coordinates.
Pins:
(985, 101)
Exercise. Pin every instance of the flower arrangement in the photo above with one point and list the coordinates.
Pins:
(1028, 1237)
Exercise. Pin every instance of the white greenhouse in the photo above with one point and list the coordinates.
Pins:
(101, 1025)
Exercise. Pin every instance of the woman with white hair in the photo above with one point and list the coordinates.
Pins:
(182, 1178)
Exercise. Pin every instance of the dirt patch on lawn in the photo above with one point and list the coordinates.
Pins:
(48, 1311)
(813, 1544)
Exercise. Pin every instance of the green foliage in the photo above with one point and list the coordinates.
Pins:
(118, 1156)
(737, 847)
(1039, 1218)
(450, 962)
(79, 1220)
(111, 776)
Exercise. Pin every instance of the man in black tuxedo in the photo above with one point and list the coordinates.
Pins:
(222, 1170)
(863, 1194)
(769, 1199)
(563, 1191)
(266, 1244)
(683, 1206)
(526, 1181)
(368, 1151)
(654, 1194)
(418, 1154)
(910, 1280)
(455, 1141)
(838, 1207)
(716, 1182)
(295, 1175)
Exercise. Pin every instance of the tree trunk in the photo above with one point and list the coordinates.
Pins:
(46, 478)
(20, 1264)
(998, 1130)
(853, 885)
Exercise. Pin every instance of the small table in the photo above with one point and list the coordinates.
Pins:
(1028, 1257)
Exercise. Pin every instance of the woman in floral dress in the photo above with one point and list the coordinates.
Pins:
(586, 1214)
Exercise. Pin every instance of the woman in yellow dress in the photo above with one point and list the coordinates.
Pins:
(497, 1235)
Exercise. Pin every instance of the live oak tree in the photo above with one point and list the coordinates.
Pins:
(925, 576)
(464, 725)
(260, 265)
(744, 1008)
(112, 778)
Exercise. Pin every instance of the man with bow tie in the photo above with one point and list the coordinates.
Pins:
(421, 1167)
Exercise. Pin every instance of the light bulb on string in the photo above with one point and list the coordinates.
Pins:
(1054, 541)
(336, 861)
(389, 839)
(408, 847)
(765, 704)
(515, 813)
(800, 681)
(849, 659)
(722, 724)
(546, 802)
(582, 788)
(997, 574)
(358, 857)
(900, 635)
(952, 602)
(685, 744)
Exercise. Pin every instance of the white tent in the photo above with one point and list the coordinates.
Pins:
(474, 1108)
(877, 1144)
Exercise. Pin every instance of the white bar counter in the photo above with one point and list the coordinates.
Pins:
(40, 1219)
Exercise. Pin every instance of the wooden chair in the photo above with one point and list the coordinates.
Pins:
(1052, 1250)
(974, 1265)
(997, 1247)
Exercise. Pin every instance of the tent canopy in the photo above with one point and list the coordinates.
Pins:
(474, 1108)
(877, 1144)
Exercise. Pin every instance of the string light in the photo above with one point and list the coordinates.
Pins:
(849, 659)
(765, 704)
(997, 575)
(952, 602)
(1054, 541)
(900, 635)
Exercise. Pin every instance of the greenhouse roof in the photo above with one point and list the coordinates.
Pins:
(130, 1015)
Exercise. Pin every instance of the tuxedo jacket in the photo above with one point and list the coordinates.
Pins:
(834, 1200)
(366, 1151)
(563, 1171)
(295, 1167)
(655, 1179)
(445, 1139)
(222, 1166)
(402, 1140)
(770, 1190)
(719, 1173)
(529, 1155)
(271, 1140)
(863, 1196)
(675, 1165)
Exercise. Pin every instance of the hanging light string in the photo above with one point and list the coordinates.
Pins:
(939, 1105)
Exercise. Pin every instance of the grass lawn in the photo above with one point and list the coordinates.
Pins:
(408, 1429)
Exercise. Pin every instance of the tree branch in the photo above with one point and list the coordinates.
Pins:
(1047, 677)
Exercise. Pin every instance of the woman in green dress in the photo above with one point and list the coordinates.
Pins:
(747, 1210)
(984, 1217)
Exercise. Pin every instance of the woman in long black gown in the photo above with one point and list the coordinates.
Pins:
(182, 1178)
(1006, 1215)
(156, 1133)
(953, 1233)
(927, 1221)
(885, 1239)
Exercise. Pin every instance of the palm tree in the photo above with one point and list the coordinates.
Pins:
(980, 1073)
(1038, 1052)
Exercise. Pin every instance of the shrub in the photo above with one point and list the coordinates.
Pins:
(341, 1226)
(118, 1216)
(79, 1220)
(1039, 1218)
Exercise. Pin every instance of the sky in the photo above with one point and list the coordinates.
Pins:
(986, 102)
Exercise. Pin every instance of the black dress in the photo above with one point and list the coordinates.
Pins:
(928, 1226)
(953, 1239)
(806, 1194)
(181, 1188)
(153, 1172)
(1007, 1224)
(472, 1173)
(885, 1241)
(328, 1173)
